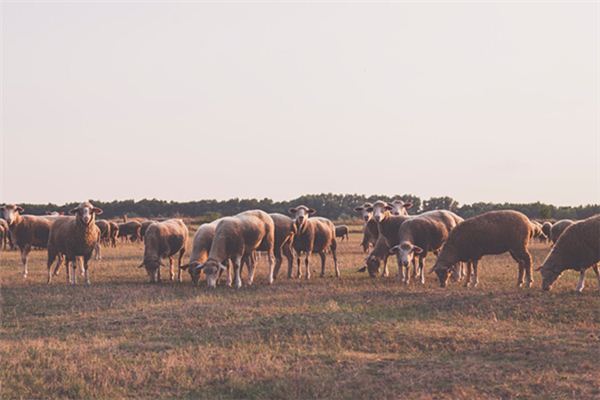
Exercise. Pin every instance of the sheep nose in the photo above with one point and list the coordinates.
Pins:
(405, 263)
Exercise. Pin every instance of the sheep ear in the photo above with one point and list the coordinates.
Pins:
(359, 208)
(292, 210)
(20, 209)
(97, 211)
(198, 267)
(417, 249)
(363, 269)
(311, 211)
(394, 249)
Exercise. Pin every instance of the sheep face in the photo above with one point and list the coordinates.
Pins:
(364, 213)
(211, 269)
(10, 213)
(193, 271)
(300, 215)
(373, 263)
(379, 210)
(152, 268)
(549, 276)
(406, 252)
(86, 212)
(442, 272)
(399, 207)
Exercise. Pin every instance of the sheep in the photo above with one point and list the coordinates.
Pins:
(537, 232)
(378, 255)
(236, 238)
(104, 238)
(558, 228)
(164, 240)
(26, 231)
(420, 235)
(285, 229)
(578, 248)
(114, 233)
(370, 230)
(201, 244)
(546, 229)
(313, 235)
(493, 232)
(130, 230)
(74, 236)
(342, 231)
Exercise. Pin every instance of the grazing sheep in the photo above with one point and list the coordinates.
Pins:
(164, 240)
(201, 244)
(313, 235)
(558, 228)
(26, 231)
(578, 248)
(285, 229)
(130, 230)
(547, 228)
(74, 237)
(114, 233)
(493, 232)
(370, 230)
(104, 238)
(342, 231)
(236, 238)
(378, 255)
(420, 235)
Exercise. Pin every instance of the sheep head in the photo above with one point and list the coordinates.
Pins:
(364, 211)
(406, 252)
(442, 271)
(399, 207)
(10, 213)
(86, 212)
(380, 210)
(300, 215)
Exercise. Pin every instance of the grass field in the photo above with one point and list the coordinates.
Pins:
(326, 338)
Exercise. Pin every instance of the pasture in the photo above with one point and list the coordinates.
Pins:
(325, 338)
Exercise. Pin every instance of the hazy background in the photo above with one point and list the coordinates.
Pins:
(481, 102)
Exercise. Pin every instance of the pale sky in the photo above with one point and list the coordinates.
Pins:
(481, 102)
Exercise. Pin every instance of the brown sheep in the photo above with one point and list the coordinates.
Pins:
(313, 235)
(27, 231)
(144, 227)
(537, 232)
(164, 240)
(558, 228)
(370, 230)
(130, 230)
(578, 248)
(104, 239)
(285, 230)
(342, 231)
(546, 229)
(493, 232)
(420, 235)
(378, 255)
(74, 237)
(236, 238)
(114, 233)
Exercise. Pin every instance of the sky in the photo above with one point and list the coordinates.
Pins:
(477, 101)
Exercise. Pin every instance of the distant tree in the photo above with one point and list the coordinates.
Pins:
(440, 203)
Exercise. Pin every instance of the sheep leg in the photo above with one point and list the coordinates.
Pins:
(237, 267)
(468, 274)
(229, 276)
(287, 252)
(97, 255)
(251, 264)
(24, 255)
(74, 271)
(323, 258)
(475, 277)
(335, 260)
(85, 270)
(271, 262)
(581, 282)
(406, 274)
(278, 262)
(597, 272)
(306, 266)
(181, 253)
(68, 271)
(521, 276)
(299, 274)
(171, 270)
(415, 270)
(386, 271)
(421, 271)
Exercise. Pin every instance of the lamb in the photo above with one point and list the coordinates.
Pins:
(420, 235)
(558, 228)
(26, 231)
(236, 238)
(493, 232)
(578, 248)
(342, 231)
(114, 233)
(285, 229)
(164, 240)
(313, 235)
(130, 230)
(370, 230)
(74, 237)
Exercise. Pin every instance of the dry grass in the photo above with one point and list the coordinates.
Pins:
(326, 338)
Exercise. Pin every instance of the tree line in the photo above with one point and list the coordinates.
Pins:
(333, 206)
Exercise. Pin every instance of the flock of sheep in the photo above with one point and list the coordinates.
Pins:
(230, 243)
